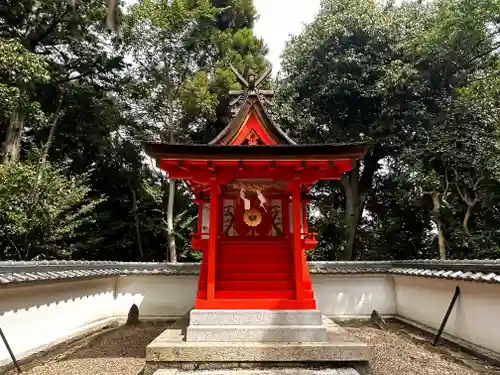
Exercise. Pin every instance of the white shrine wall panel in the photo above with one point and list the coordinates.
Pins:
(228, 207)
(277, 214)
(205, 220)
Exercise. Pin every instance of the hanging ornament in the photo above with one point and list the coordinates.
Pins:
(262, 200)
(252, 217)
(246, 201)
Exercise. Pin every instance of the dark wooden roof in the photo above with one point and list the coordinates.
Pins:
(245, 152)
(252, 103)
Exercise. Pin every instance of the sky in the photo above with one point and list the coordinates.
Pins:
(278, 19)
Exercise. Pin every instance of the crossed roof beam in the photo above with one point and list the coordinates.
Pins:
(250, 86)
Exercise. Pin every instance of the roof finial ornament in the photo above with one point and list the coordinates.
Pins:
(250, 89)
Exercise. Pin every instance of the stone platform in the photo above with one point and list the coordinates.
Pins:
(291, 371)
(171, 349)
(256, 326)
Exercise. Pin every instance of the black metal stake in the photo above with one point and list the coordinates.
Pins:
(447, 315)
(4, 339)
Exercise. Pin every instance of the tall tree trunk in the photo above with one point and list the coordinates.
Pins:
(11, 147)
(171, 250)
(471, 203)
(465, 222)
(441, 240)
(136, 219)
(350, 182)
(439, 225)
(355, 189)
(52, 132)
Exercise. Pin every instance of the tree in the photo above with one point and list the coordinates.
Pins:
(20, 71)
(156, 34)
(456, 160)
(181, 52)
(360, 88)
(41, 210)
(390, 75)
(226, 39)
(55, 45)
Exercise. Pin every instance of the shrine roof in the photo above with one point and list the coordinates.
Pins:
(252, 105)
(259, 152)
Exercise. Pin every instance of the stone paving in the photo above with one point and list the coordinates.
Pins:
(289, 371)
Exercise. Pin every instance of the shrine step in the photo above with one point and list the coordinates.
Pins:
(258, 304)
(255, 294)
(258, 285)
(251, 267)
(255, 276)
(254, 258)
(254, 285)
(256, 333)
(255, 317)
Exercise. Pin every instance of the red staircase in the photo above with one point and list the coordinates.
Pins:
(255, 274)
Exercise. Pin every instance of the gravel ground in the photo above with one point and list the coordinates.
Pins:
(120, 351)
(397, 352)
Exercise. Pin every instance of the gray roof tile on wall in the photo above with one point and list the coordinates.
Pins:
(448, 274)
(33, 271)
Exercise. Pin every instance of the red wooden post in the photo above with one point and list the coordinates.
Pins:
(285, 217)
(212, 242)
(297, 242)
(304, 217)
(200, 216)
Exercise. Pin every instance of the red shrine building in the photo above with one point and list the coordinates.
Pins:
(251, 185)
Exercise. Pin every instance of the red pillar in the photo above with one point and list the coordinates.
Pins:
(200, 216)
(304, 217)
(212, 242)
(285, 217)
(297, 242)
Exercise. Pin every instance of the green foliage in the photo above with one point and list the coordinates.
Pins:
(41, 210)
(20, 71)
(419, 83)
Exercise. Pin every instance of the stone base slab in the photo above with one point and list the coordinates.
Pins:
(171, 350)
(256, 326)
(255, 317)
(291, 371)
(238, 333)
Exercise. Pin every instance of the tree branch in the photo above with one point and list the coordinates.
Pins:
(15, 247)
(36, 38)
(446, 184)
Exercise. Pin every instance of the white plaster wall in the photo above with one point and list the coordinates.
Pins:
(474, 317)
(156, 296)
(34, 316)
(351, 296)
(337, 296)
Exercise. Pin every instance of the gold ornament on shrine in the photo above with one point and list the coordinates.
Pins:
(252, 217)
